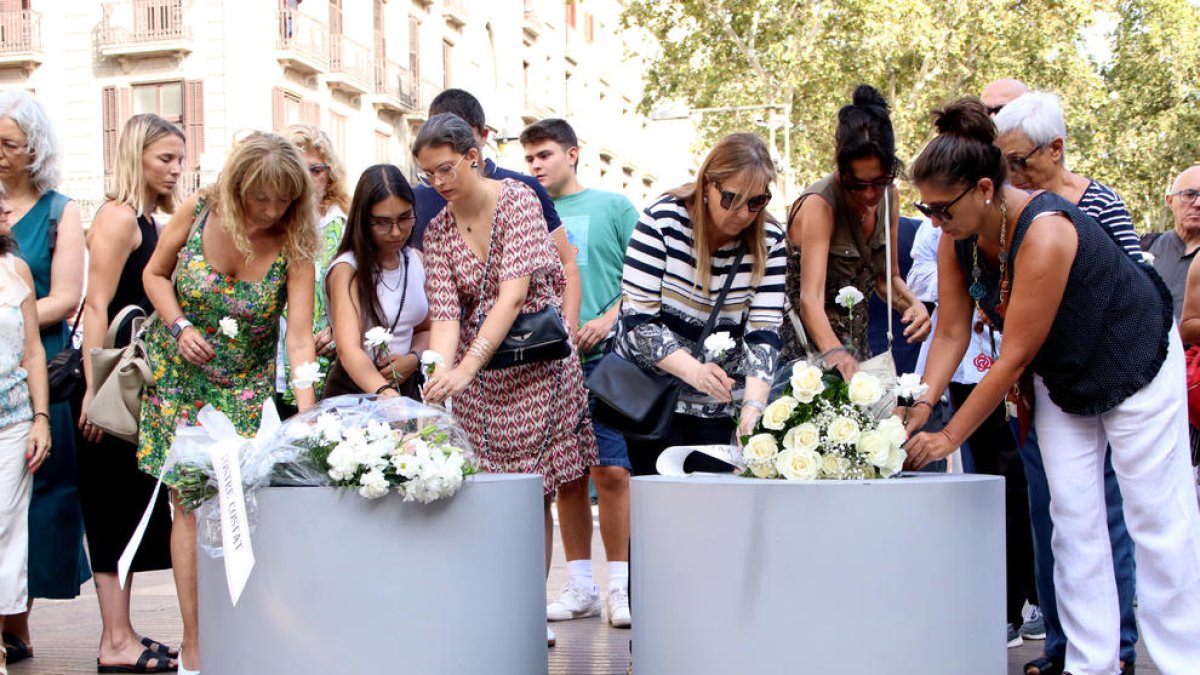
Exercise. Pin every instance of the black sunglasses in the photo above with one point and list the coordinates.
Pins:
(941, 211)
(1020, 163)
(854, 185)
(753, 204)
(994, 110)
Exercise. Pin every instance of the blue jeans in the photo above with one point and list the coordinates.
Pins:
(1122, 548)
(609, 442)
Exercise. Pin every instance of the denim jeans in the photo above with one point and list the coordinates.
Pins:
(1122, 548)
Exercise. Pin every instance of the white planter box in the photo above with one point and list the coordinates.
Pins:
(903, 576)
(347, 585)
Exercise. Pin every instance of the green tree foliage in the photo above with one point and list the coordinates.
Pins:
(1132, 119)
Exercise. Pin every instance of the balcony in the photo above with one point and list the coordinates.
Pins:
(455, 12)
(351, 67)
(538, 104)
(532, 23)
(302, 43)
(20, 39)
(133, 29)
(395, 90)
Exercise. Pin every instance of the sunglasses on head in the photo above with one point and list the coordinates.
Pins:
(854, 185)
(942, 211)
(994, 110)
(753, 204)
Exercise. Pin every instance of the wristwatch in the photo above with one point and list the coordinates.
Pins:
(178, 325)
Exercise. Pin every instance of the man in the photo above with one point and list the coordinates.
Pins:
(430, 203)
(1032, 134)
(999, 93)
(599, 225)
(1174, 250)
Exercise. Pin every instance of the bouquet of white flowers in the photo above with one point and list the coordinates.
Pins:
(822, 427)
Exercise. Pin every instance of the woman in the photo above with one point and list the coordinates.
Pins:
(49, 238)
(24, 421)
(329, 190)
(243, 250)
(113, 491)
(489, 258)
(1095, 329)
(680, 256)
(388, 290)
(837, 230)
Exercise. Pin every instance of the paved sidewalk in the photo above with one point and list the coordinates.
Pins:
(66, 632)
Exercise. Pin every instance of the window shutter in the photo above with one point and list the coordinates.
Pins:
(124, 106)
(193, 121)
(310, 112)
(278, 110)
(108, 98)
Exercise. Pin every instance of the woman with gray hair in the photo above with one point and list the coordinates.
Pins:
(49, 236)
(489, 258)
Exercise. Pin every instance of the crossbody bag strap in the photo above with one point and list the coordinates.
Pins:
(698, 348)
(202, 210)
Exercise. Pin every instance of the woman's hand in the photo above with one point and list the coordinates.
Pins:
(90, 431)
(916, 317)
(323, 341)
(37, 448)
(711, 379)
(844, 361)
(915, 416)
(749, 418)
(193, 348)
(397, 367)
(446, 382)
(928, 447)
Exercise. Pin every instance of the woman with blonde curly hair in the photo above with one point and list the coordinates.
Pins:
(242, 250)
(332, 198)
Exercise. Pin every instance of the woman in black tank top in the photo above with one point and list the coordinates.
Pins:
(113, 491)
(1094, 329)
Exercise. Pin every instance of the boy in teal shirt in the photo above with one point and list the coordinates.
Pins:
(599, 225)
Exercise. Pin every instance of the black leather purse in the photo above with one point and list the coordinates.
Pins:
(639, 403)
(64, 372)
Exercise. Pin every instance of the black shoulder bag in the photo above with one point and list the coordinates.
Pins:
(639, 403)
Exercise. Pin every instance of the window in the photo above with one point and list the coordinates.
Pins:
(289, 108)
(414, 48)
(164, 99)
(337, 133)
(447, 59)
(179, 101)
(383, 148)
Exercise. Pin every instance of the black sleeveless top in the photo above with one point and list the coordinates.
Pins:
(130, 290)
(1110, 335)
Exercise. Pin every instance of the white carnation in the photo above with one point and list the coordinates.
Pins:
(305, 375)
(909, 386)
(777, 414)
(848, 297)
(377, 338)
(717, 345)
(373, 484)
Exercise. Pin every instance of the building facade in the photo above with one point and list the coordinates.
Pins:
(362, 70)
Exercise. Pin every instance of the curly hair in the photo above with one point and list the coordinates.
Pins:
(311, 139)
(28, 114)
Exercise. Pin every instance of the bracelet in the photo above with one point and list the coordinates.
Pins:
(831, 352)
(921, 401)
(481, 349)
(754, 403)
(42, 413)
(385, 388)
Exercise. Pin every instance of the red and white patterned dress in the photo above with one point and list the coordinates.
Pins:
(522, 406)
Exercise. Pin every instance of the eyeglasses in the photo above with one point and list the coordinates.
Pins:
(1187, 196)
(1021, 163)
(317, 169)
(10, 148)
(942, 211)
(753, 204)
(994, 110)
(854, 185)
(385, 225)
(444, 173)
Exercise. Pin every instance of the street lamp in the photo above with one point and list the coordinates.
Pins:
(677, 111)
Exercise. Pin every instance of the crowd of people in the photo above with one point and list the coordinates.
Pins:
(279, 263)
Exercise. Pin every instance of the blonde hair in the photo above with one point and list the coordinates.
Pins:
(265, 161)
(740, 153)
(311, 139)
(129, 182)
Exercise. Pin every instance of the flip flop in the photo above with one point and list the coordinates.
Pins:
(162, 664)
(156, 646)
(17, 649)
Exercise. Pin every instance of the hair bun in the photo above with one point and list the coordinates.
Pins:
(866, 95)
(966, 117)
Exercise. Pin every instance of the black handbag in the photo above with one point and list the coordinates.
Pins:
(639, 403)
(533, 337)
(64, 372)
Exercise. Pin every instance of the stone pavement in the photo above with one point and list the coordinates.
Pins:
(66, 632)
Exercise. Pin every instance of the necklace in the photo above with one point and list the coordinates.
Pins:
(403, 294)
(978, 290)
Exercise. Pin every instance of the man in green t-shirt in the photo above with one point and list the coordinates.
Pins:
(599, 225)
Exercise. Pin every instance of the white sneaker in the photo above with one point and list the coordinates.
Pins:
(618, 608)
(550, 639)
(575, 602)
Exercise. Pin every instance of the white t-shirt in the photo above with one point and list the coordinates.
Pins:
(390, 288)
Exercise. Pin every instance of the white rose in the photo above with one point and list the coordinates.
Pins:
(865, 389)
(848, 297)
(777, 414)
(869, 472)
(228, 326)
(843, 430)
(760, 448)
(833, 466)
(305, 375)
(875, 446)
(798, 464)
(806, 382)
(804, 436)
(893, 428)
(377, 338)
(909, 386)
(895, 462)
(764, 470)
(717, 344)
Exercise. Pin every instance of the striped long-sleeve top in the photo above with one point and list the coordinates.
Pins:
(1107, 208)
(664, 307)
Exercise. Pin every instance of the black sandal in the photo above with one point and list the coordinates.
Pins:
(156, 646)
(1045, 666)
(17, 649)
(1128, 668)
(162, 664)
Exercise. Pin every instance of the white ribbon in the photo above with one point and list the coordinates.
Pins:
(670, 462)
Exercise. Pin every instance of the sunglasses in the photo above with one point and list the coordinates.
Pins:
(753, 204)
(317, 169)
(1021, 163)
(941, 211)
(994, 110)
(854, 185)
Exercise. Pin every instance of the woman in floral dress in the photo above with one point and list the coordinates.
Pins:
(242, 250)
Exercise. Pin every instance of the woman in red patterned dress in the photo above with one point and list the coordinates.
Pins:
(530, 418)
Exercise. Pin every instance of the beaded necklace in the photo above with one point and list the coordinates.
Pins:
(977, 290)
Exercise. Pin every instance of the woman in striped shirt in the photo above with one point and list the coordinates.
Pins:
(684, 248)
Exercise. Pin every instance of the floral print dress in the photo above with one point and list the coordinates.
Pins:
(238, 379)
